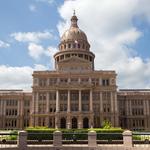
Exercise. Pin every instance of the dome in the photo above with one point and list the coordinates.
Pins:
(74, 33)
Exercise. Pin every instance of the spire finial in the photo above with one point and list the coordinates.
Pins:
(74, 12)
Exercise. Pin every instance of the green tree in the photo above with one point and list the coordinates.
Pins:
(106, 124)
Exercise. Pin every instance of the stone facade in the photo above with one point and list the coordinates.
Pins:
(74, 95)
(14, 109)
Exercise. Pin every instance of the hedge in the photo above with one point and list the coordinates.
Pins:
(44, 133)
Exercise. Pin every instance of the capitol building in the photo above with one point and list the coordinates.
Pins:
(75, 95)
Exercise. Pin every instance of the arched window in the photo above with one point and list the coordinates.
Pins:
(85, 122)
(74, 122)
(63, 123)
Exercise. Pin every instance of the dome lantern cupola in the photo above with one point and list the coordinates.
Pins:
(74, 20)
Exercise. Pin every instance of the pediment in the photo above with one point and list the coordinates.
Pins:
(74, 59)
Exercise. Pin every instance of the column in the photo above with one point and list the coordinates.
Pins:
(47, 109)
(68, 102)
(130, 108)
(112, 103)
(101, 108)
(57, 110)
(91, 100)
(57, 101)
(80, 101)
(101, 103)
(80, 122)
(127, 108)
(47, 102)
(21, 112)
(18, 114)
(36, 102)
(116, 103)
(32, 106)
(36, 108)
(68, 121)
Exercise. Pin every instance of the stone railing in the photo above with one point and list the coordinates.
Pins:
(57, 139)
(58, 145)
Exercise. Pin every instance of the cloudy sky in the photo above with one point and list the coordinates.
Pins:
(118, 31)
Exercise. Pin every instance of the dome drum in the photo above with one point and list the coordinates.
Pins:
(74, 45)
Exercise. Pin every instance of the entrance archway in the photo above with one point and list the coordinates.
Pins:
(74, 122)
(63, 123)
(85, 122)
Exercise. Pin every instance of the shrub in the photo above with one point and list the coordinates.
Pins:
(44, 133)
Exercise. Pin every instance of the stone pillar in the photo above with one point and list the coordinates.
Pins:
(22, 140)
(80, 122)
(68, 102)
(112, 103)
(57, 139)
(57, 101)
(36, 102)
(101, 103)
(127, 139)
(47, 102)
(91, 100)
(116, 102)
(80, 101)
(57, 110)
(92, 139)
(68, 121)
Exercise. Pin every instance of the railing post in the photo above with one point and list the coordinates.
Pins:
(22, 140)
(57, 139)
(127, 138)
(92, 139)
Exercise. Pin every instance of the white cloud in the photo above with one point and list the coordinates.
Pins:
(111, 31)
(17, 77)
(31, 36)
(32, 8)
(36, 51)
(4, 44)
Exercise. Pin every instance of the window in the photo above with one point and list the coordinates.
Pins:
(42, 82)
(74, 95)
(85, 96)
(63, 80)
(105, 82)
(85, 107)
(95, 81)
(52, 81)
(96, 96)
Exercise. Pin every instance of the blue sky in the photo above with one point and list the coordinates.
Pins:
(26, 16)
(30, 33)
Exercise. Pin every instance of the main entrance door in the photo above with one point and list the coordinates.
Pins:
(74, 122)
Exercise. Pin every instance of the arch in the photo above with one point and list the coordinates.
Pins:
(74, 122)
(63, 123)
(85, 122)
